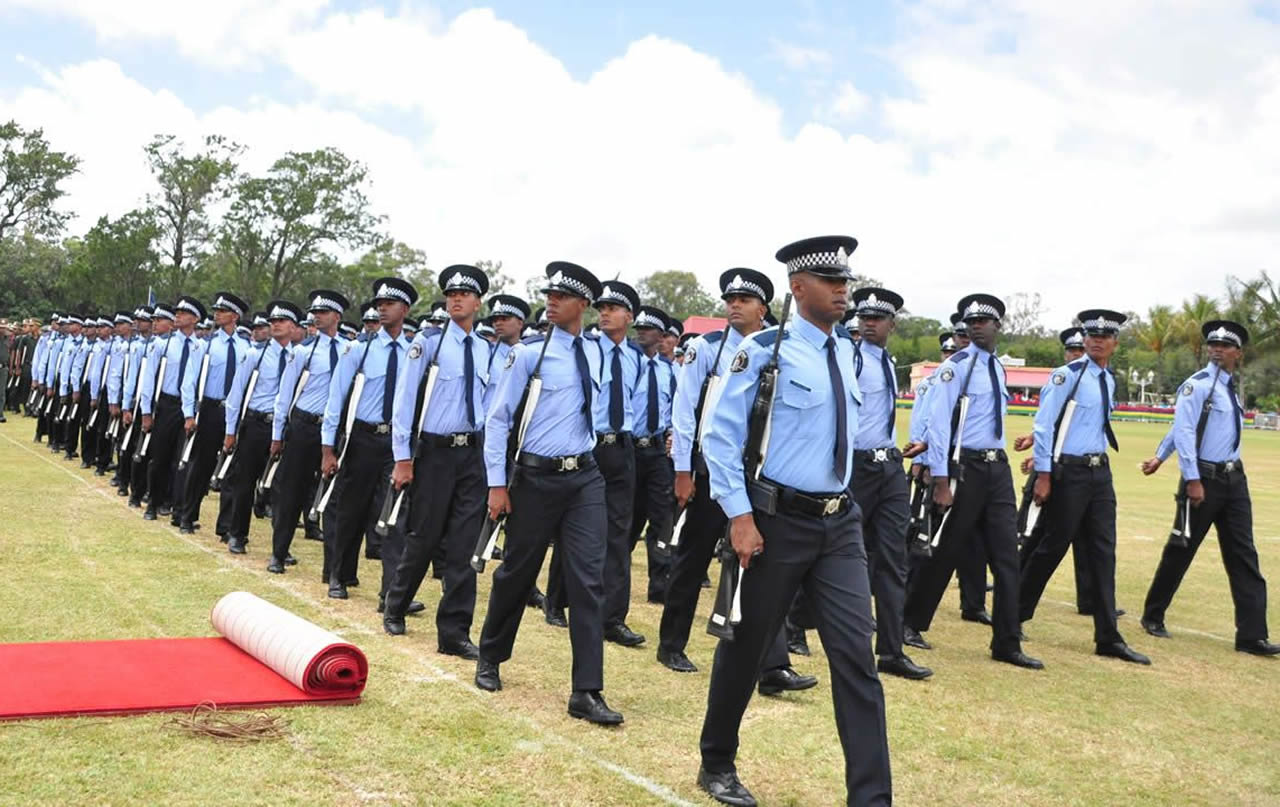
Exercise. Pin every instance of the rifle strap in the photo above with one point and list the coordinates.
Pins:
(955, 409)
(1205, 409)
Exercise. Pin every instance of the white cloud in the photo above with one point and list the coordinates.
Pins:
(799, 57)
(1084, 161)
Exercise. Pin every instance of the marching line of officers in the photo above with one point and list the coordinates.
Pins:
(774, 447)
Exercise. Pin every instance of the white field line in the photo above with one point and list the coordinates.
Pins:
(656, 789)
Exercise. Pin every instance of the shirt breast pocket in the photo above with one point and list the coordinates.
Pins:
(798, 402)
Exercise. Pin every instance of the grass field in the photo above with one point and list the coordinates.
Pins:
(1196, 728)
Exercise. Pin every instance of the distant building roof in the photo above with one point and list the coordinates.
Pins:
(704, 324)
(1032, 378)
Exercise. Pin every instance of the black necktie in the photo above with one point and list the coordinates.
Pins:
(333, 355)
(841, 461)
(389, 387)
(280, 365)
(995, 396)
(469, 370)
(1106, 410)
(584, 376)
(888, 386)
(1235, 407)
(229, 369)
(615, 392)
(182, 362)
(651, 417)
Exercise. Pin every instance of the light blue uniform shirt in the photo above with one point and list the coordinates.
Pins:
(53, 357)
(447, 412)
(375, 351)
(1220, 432)
(115, 369)
(879, 399)
(664, 374)
(312, 355)
(37, 356)
(99, 353)
(918, 429)
(979, 427)
(1166, 448)
(802, 440)
(175, 374)
(558, 427)
(217, 348)
(263, 397)
(497, 363)
(139, 350)
(630, 358)
(71, 381)
(1086, 435)
(699, 355)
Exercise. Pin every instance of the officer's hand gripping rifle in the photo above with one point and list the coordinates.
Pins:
(191, 438)
(229, 457)
(1180, 535)
(488, 538)
(102, 390)
(728, 605)
(155, 399)
(395, 498)
(325, 489)
(273, 462)
(957, 433)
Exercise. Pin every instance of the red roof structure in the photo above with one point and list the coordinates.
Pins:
(704, 324)
(1029, 379)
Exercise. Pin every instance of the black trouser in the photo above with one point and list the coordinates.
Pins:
(166, 443)
(74, 423)
(210, 434)
(704, 524)
(1083, 577)
(882, 493)
(253, 446)
(654, 495)
(971, 574)
(827, 558)
(1081, 505)
(570, 509)
(984, 511)
(102, 444)
(292, 487)
(446, 506)
(364, 479)
(617, 464)
(1228, 507)
(45, 424)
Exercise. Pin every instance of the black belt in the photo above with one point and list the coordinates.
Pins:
(657, 441)
(984, 454)
(564, 464)
(611, 438)
(164, 396)
(373, 428)
(300, 416)
(815, 505)
(1212, 470)
(212, 402)
(455, 440)
(1089, 460)
(878, 455)
(255, 414)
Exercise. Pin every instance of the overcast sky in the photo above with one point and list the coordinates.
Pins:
(1114, 154)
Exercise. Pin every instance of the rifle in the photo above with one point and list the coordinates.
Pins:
(126, 441)
(921, 527)
(102, 388)
(155, 396)
(1180, 535)
(325, 489)
(229, 457)
(708, 396)
(15, 378)
(488, 539)
(191, 438)
(395, 498)
(727, 611)
(1029, 512)
(959, 415)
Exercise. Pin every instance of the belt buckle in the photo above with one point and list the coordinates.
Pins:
(1095, 460)
(568, 463)
(644, 442)
(881, 455)
(1230, 465)
(990, 455)
(460, 439)
(609, 439)
(382, 428)
(270, 416)
(832, 506)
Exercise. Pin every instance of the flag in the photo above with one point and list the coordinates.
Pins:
(151, 297)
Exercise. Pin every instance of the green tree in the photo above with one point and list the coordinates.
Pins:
(189, 184)
(114, 264)
(388, 258)
(30, 175)
(32, 276)
(678, 294)
(1187, 324)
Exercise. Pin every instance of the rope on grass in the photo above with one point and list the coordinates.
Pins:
(206, 720)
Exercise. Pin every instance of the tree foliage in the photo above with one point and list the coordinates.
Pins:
(678, 294)
(31, 174)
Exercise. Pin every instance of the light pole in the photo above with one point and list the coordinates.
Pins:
(1142, 381)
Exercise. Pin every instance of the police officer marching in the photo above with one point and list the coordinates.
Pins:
(793, 522)
(1073, 480)
(651, 405)
(1207, 425)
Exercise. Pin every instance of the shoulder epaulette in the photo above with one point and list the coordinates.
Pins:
(958, 357)
(1200, 376)
(767, 337)
(843, 331)
(1077, 364)
(667, 359)
(713, 337)
(363, 336)
(532, 340)
(310, 340)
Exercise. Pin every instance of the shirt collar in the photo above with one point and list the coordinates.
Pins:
(385, 338)
(1212, 368)
(871, 350)
(982, 354)
(456, 330)
(808, 331)
(1094, 367)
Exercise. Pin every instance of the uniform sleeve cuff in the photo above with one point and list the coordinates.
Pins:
(1043, 467)
(497, 477)
(735, 504)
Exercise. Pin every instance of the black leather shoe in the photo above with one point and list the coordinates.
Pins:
(415, 607)
(1019, 659)
(912, 637)
(99, 471)
(555, 618)
(464, 649)
(620, 634)
(1258, 647)
(498, 554)
(394, 625)
(590, 706)
(114, 481)
(166, 510)
(290, 560)
(1123, 652)
(784, 679)
(337, 591)
(275, 566)
(134, 502)
(903, 667)
(174, 521)
(353, 583)
(797, 644)
(706, 582)
(536, 599)
(725, 788)
(487, 676)
(236, 545)
(677, 661)
(981, 617)
(149, 514)
(186, 528)
(1156, 629)
(123, 490)
(1120, 612)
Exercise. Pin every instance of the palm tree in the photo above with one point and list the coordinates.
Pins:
(1187, 324)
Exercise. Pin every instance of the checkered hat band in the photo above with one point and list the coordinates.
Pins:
(1074, 341)
(163, 313)
(370, 315)
(74, 321)
(388, 291)
(257, 321)
(186, 306)
(877, 307)
(507, 310)
(829, 261)
(223, 302)
(1223, 335)
(574, 286)
(282, 313)
(981, 310)
(745, 287)
(1100, 324)
(612, 296)
(325, 302)
(122, 319)
(647, 320)
(464, 282)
